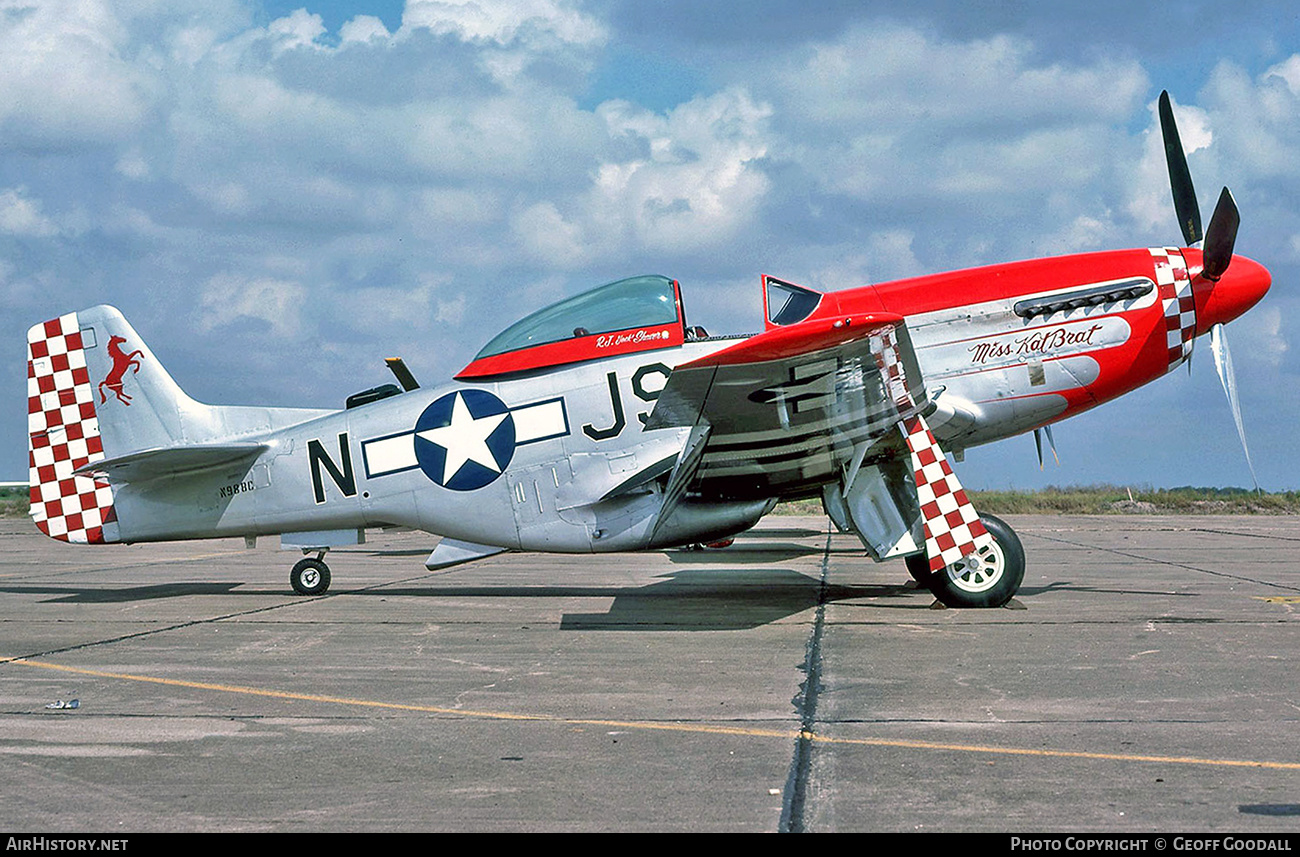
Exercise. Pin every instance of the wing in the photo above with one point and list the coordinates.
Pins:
(828, 406)
(789, 409)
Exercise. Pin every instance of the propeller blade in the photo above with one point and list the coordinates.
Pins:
(1038, 444)
(1051, 442)
(1227, 377)
(1220, 237)
(1180, 178)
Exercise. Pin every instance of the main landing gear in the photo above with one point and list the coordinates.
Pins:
(988, 578)
(310, 575)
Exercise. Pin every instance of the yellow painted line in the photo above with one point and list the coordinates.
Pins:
(1058, 754)
(697, 728)
(1280, 599)
(399, 706)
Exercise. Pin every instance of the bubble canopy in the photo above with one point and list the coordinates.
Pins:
(635, 314)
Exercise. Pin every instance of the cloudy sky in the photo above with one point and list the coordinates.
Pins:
(279, 197)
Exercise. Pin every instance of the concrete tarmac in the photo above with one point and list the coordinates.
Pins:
(784, 683)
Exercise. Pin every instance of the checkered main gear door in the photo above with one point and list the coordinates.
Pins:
(952, 526)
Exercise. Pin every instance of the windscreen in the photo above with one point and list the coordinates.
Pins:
(788, 303)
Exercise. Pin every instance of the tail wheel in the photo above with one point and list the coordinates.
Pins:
(310, 576)
(988, 578)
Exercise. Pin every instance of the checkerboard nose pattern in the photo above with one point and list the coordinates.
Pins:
(1175, 284)
(63, 435)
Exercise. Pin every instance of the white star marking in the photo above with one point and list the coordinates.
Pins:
(465, 439)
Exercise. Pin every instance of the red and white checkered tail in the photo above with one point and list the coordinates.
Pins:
(63, 436)
(952, 526)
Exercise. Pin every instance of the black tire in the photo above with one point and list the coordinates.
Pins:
(310, 577)
(991, 578)
(918, 565)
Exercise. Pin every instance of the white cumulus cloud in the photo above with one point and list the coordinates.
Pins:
(504, 21)
(20, 215)
(229, 298)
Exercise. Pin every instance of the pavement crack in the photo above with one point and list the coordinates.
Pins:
(1195, 568)
(1271, 536)
(794, 803)
(108, 641)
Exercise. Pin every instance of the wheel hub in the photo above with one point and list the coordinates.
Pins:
(979, 571)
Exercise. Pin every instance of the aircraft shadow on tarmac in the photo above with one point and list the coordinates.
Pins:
(1068, 586)
(696, 599)
(716, 599)
(689, 599)
(742, 555)
(1269, 808)
(76, 595)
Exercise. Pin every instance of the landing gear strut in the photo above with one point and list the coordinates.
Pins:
(310, 575)
(988, 578)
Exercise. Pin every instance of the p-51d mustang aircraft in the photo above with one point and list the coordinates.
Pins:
(606, 423)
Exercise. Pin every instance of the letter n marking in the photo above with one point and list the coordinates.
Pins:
(343, 477)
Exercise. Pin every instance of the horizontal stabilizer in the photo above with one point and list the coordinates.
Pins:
(173, 461)
(451, 552)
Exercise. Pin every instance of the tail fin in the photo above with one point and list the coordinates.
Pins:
(94, 389)
(96, 394)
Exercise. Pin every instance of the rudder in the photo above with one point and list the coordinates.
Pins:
(63, 435)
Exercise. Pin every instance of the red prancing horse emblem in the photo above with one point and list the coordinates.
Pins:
(121, 362)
